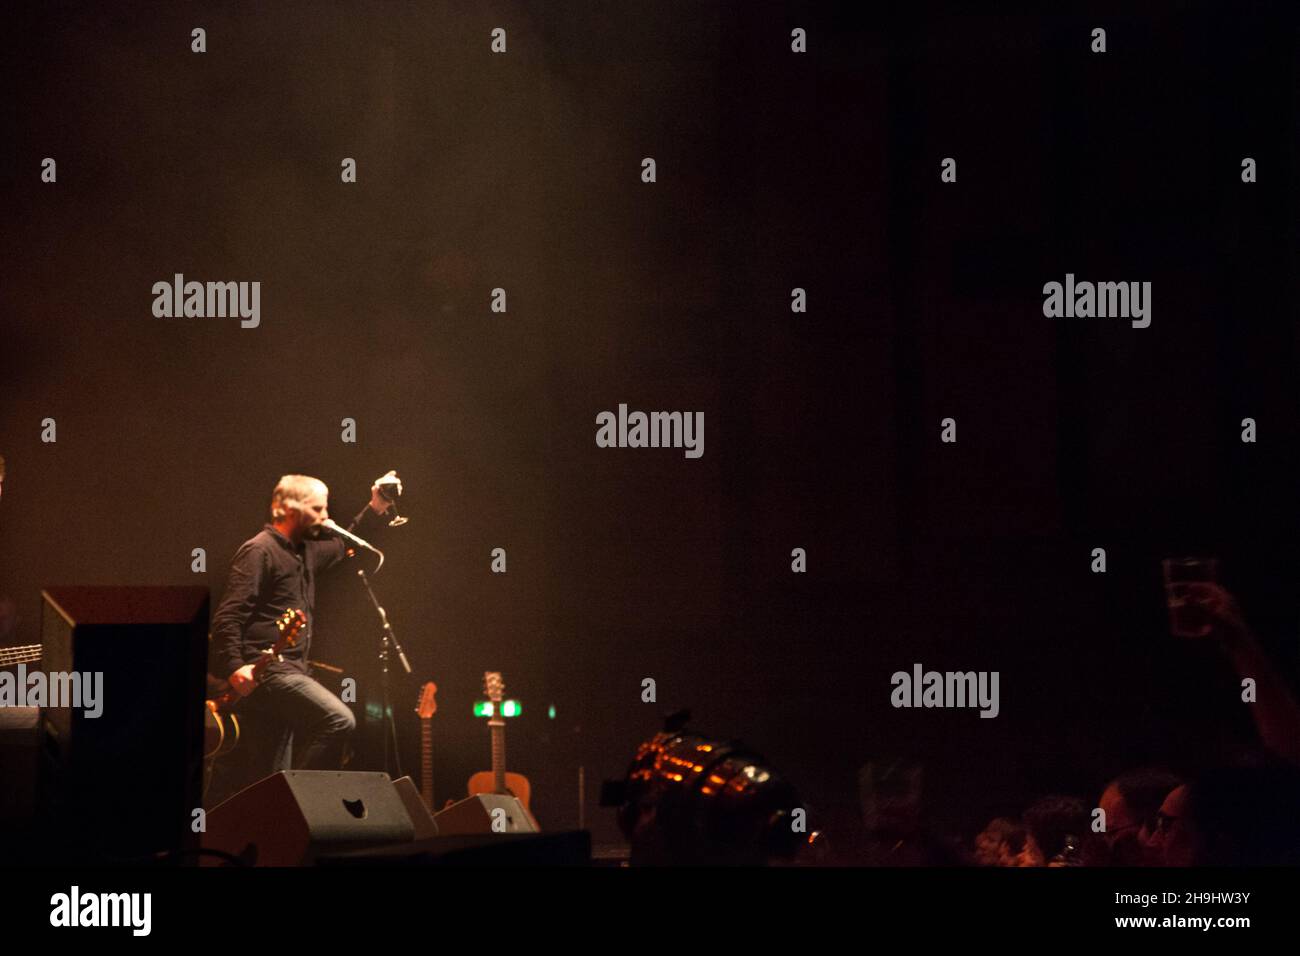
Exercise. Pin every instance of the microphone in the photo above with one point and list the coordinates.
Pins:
(349, 537)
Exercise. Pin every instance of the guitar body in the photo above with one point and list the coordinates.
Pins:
(517, 785)
(220, 725)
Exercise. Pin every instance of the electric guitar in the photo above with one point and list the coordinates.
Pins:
(221, 725)
(497, 780)
(426, 708)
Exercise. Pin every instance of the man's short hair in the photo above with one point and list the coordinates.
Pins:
(1054, 818)
(290, 493)
(1145, 789)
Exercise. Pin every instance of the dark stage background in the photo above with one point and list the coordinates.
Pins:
(775, 170)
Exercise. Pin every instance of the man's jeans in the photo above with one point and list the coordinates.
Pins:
(287, 709)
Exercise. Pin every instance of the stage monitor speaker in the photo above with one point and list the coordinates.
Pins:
(121, 779)
(486, 813)
(425, 826)
(287, 818)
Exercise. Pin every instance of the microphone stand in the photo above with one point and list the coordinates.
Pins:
(390, 734)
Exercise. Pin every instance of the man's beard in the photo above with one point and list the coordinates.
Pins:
(314, 533)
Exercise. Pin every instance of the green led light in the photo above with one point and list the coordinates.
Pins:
(550, 712)
(509, 708)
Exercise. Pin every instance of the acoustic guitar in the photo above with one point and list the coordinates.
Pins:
(221, 724)
(497, 780)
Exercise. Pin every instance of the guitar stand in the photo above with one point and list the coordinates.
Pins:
(387, 638)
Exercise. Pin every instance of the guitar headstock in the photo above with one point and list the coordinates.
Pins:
(290, 623)
(494, 688)
(426, 707)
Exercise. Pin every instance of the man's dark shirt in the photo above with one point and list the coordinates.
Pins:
(269, 576)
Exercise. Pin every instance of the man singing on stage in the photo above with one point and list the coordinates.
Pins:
(291, 720)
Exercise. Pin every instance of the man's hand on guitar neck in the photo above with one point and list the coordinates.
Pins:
(242, 681)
